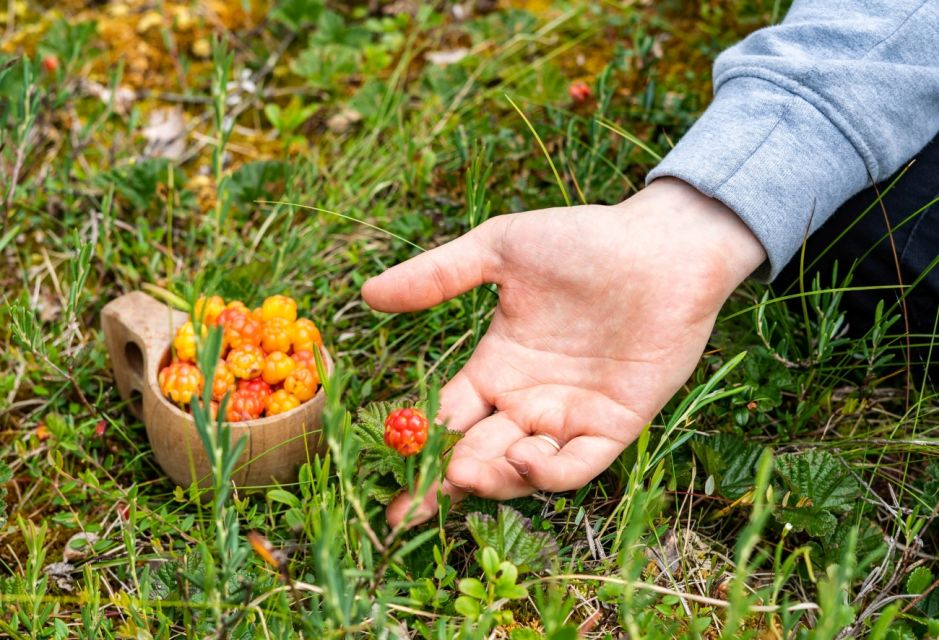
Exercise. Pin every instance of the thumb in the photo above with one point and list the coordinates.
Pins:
(439, 274)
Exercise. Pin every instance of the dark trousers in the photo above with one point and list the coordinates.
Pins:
(914, 227)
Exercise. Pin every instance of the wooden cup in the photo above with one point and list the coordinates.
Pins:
(138, 331)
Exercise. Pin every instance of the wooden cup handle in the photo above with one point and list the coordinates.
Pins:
(137, 331)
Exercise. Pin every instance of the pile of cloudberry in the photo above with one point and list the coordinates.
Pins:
(267, 364)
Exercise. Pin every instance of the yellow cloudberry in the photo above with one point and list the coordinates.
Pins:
(279, 307)
(207, 310)
(246, 362)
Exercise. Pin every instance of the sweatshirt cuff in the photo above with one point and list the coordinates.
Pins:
(771, 157)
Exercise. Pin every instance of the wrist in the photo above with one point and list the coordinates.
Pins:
(705, 232)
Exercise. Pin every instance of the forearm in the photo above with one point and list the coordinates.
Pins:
(808, 113)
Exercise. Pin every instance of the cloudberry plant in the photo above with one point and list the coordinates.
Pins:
(276, 335)
(302, 382)
(306, 337)
(277, 366)
(180, 381)
(240, 328)
(223, 382)
(246, 362)
(185, 342)
(256, 385)
(207, 310)
(281, 401)
(279, 307)
(406, 431)
(244, 405)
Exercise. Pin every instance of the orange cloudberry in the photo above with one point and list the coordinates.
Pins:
(305, 358)
(246, 362)
(305, 335)
(180, 381)
(302, 382)
(277, 366)
(281, 401)
(240, 329)
(223, 382)
(276, 335)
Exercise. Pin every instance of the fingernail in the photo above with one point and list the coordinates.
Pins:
(461, 487)
(521, 467)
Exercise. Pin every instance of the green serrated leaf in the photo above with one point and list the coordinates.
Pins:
(869, 538)
(815, 522)
(377, 458)
(818, 479)
(919, 580)
(511, 536)
(382, 494)
(730, 460)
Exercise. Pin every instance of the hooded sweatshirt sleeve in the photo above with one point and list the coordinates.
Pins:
(809, 112)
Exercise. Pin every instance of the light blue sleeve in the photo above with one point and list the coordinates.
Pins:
(806, 113)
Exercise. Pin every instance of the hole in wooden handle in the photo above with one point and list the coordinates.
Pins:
(134, 357)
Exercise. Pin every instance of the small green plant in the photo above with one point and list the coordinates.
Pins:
(482, 599)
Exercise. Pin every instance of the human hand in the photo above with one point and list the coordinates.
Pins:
(603, 313)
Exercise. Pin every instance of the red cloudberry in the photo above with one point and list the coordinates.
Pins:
(244, 405)
(50, 63)
(240, 328)
(406, 431)
(580, 92)
(302, 382)
(256, 385)
(246, 362)
(180, 381)
(281, 401)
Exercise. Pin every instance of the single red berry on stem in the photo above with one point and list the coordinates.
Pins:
(406, 431)
(50, 63)
(580, 92)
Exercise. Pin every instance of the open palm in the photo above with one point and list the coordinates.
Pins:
(603, 313)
